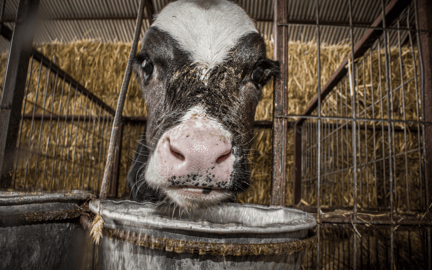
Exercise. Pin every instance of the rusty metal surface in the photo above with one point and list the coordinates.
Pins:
(280, 107)
(425, 22)
(14, 85)
(297, 165)
(17, 198)
(117, 158)
(18, 207)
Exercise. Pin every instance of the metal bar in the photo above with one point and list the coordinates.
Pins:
(424, 20)
(101, 149)
(132, 120)
(22, 120)
(14, 86)
(392, 11)
(117, 160)
(120, 104)
(30, 143)
(354, 130)
(87, 18)
(67, 137)
(319, 147)
(57, 139)
(401, 68)
(280, 107)
(83, 141)
(419, 134)
(40, 128)
(356, 27)
(91, 151)
(50, 129)
(76, 137)
(357, 119)
(62, 74)
(297, 169)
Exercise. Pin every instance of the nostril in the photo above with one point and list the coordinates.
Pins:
(177, 154)
(223, 157)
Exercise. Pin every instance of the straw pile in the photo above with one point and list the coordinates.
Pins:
(100, 67)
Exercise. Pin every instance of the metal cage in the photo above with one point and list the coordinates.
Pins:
(361, 158)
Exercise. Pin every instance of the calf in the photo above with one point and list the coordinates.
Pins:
(201, 69)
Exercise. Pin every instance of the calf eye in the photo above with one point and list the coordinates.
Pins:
(147, 68)
(257, 75)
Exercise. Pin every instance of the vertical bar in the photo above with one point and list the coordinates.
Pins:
(47, 85)
(14, 85)
(382, 125)
(419, 116)
(57, 139)
(66, 137)
(297, 173)
(22, 120)
(390, 115)
(318, 33)
(373, 127)
(50, 126)
(280, 107)
(366, 166)
(120, 104)
(86, 140)
(30, 143)
(353, 130)
(402, 89)
(101, 149)
(117, 160)
(90, 174)
(72, 139)
(424, 22)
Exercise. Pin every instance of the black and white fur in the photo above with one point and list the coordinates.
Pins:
(199, 55)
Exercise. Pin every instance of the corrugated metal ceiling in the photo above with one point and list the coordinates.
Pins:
(113, 20)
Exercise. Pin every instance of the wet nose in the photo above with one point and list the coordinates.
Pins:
(198, 149)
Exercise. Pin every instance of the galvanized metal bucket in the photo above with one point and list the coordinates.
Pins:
(38, 231)
(229, 236)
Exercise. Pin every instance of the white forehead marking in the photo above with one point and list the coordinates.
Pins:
(207, 29)
(199, 111)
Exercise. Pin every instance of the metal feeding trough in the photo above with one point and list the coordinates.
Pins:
(229, 236)
(38, 231)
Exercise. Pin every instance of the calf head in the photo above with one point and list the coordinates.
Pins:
(201, 69)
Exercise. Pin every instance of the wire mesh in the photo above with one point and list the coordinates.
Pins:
(63, 134)
(362, 156)
(373, 249)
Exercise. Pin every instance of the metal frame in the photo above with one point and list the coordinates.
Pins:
(312, 131)
(13, 89)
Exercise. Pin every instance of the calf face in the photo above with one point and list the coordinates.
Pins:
(201, 68)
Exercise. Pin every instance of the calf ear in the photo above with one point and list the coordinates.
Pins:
(271, 68)
(264, 70)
